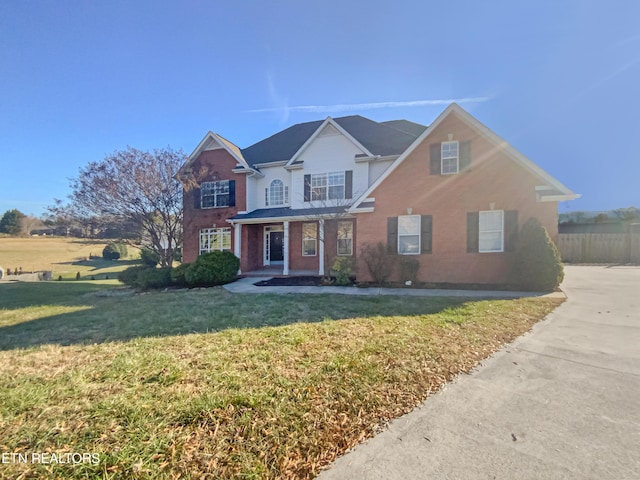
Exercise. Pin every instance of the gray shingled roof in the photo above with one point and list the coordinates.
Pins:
(406, 126)
(386, 138)
(288, 212)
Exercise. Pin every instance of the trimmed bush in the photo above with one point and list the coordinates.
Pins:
(148, 257)
(379, 263)
(111, 252)
(129, 276)
(114, 251)
(149, 278)
(343, 268)
(537, 265)
(213, 268)
(178, 274)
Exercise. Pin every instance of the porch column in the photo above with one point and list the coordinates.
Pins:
(285, 266)
(237, 242)
(321, 247)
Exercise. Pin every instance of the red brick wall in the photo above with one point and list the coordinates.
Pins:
(493, 178)
(296, 260)
(210, 165)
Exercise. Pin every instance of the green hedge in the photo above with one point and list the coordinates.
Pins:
(214, 268)
(537, 265)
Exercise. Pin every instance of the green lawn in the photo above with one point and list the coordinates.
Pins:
(184, 383)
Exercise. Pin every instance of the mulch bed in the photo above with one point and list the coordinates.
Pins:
(301, 281)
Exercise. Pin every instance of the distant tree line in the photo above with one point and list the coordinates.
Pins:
(619, 215)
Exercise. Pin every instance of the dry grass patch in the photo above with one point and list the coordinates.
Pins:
(279, 401)
(65, 256)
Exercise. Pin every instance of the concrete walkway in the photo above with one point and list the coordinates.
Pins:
(562, 402)
(246, 285)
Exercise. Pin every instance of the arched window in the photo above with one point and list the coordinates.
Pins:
(277, 193)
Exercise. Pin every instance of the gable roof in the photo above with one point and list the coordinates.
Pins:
(214, 138)
(561, 191)
(376, 138)
(406, 126)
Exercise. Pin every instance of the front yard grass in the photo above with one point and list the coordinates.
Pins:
(187, 383)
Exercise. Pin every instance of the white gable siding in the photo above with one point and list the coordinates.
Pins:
(252, 198)
(376, 169)
(270, 174)
(328, 153)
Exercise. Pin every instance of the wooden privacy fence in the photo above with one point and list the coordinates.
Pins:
(600, 247)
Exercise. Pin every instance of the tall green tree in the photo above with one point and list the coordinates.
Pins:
(11, 222)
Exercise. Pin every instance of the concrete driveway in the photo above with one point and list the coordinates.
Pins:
(562, 402)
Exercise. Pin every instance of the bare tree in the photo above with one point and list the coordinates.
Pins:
(137, 186)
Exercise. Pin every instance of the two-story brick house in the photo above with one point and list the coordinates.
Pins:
(452, 194)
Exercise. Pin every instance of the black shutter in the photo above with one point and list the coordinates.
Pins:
(465, 156)
(510, 230)
(307, 188)
(473, 231)
(426, 233)
(435, 158)
(348, 184)
(196, 197)
(232, 193)
(392, 235)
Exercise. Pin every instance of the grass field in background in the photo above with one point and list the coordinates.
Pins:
(182, 383)
(62, 255)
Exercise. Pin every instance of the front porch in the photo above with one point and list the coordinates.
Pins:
(277, 271)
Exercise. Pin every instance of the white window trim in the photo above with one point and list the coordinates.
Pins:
(443, 158)
(210, 232)
(315, 240)
(480, 232)
(349, 238)
(411, 235)
(268, 194)
(202, 195)
(327, 185)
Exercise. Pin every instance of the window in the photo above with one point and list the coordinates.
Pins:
(491, 231)
(449, 155)
(327, 186)
(409, 235)
(276, 194)
(212, 239)
(309, 239)
(345, 238)
(214, 194)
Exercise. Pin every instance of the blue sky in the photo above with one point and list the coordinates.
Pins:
(560, 81)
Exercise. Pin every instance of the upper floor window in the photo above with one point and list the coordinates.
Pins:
(214, 194)
(276, 194)
(327, 186)
(449, 157)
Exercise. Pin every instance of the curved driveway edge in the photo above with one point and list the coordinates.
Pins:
(562, 402)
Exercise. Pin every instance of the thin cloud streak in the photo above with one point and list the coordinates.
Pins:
(369, 106)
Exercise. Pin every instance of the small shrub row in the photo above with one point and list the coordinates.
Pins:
(215, 268)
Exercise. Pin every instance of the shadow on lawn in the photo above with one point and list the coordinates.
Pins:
(99, 263)
(122, 318)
